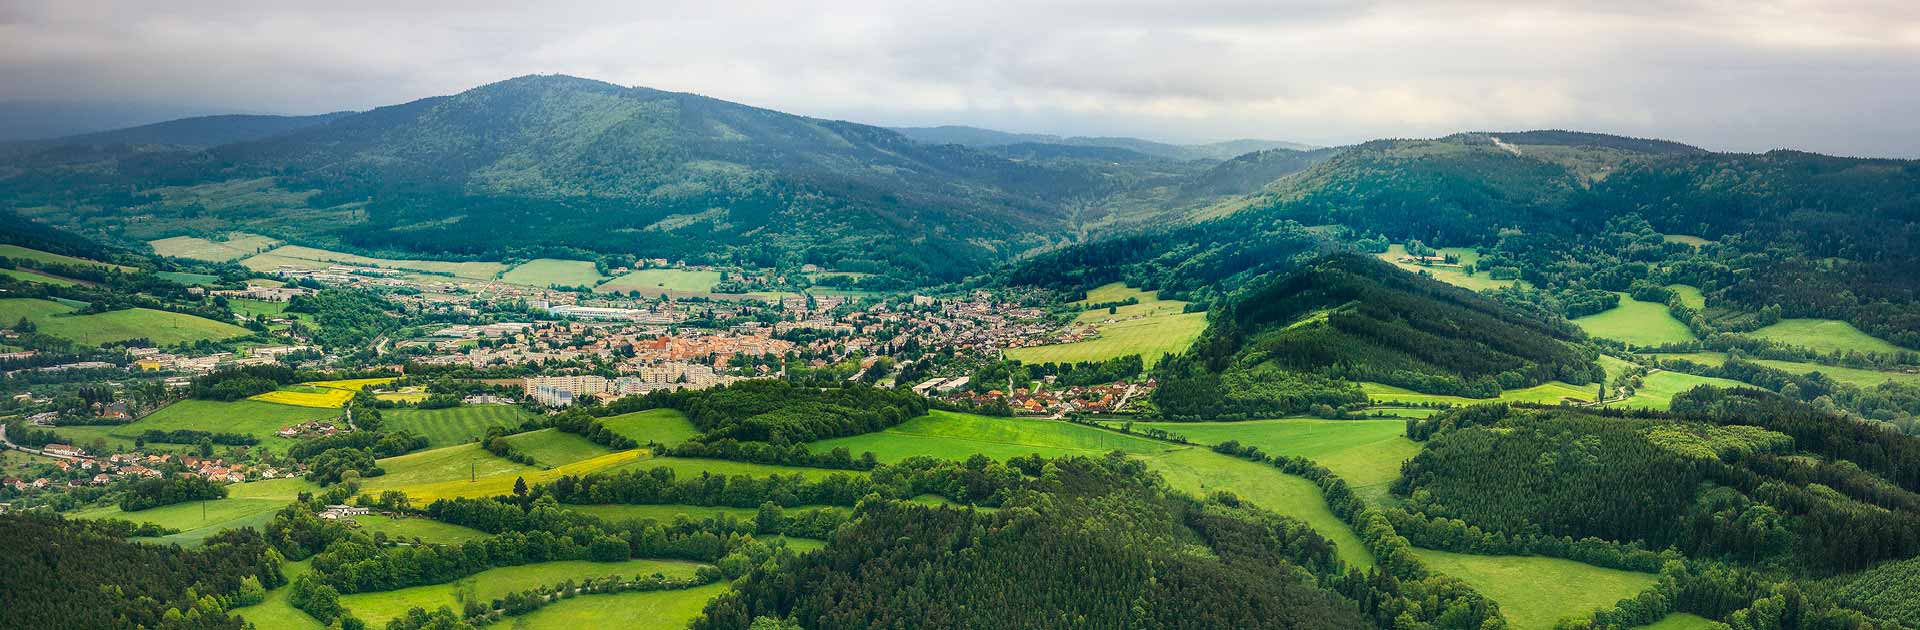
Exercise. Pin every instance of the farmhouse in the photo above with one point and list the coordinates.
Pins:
(63, 450)
(335, 512)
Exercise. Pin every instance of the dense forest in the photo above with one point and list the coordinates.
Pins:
(73, 574)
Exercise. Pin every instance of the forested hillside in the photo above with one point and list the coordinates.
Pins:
(1303, 341)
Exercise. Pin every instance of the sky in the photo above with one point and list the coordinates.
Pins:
(1838, 76)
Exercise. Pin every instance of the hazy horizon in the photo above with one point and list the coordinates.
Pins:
(1829, 78)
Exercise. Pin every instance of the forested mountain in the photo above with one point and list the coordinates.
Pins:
(981, 138)
(1289, 346)
(198, 132)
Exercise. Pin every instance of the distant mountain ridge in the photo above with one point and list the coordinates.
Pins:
(979, 138)
(202, 131)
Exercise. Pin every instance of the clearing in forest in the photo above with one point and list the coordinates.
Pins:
(1637, 323)
(1825, 335)
(1151, 328)
(954, 435)
(1535, 592)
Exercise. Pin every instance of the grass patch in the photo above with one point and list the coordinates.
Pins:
(655, 281)
(425, 529)
(454, 425)
(188, 279)
(196, 520)
(1683, 621)
(237, 245)
(1824, 335)
(1636, 322)
(1854, 376)
(1658, 389)
(1200, 472)
(258, 419)
(553, 447)
(276, 611)
(547, 272)
(689, 467)
(1549, 393)
(162, 327)
(28, 276)
(615, 513)
(655, 610)
(445, 477)
(1689, 295)
(379, 608)
(666, 426)
(951, 435)
(1535, 592)
(1456, 276)
(1152, 328)
(17, 252)
(1365, 453)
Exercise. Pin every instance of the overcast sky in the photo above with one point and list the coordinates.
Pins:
(1839, 76)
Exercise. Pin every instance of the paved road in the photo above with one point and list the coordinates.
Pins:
(9, 444)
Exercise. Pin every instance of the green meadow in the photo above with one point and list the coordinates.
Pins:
(454, 425)
(689, 467)
(462, 462)
(379, 608)
(1637, 323)
(1683, 621)
(547, 272)
(1824, 335)
(1550, 393)
(17, 252)
(1151, 328)
(276, 612)
(237, 245)
(1365, 453)
(553, 447)
(655, 281)
(666, 426)
(1689, 295)
(162, 327)
(1658, 389)
(1201, 472)
(951, 435)
(196, 520)
(1456, 276)
(425, 529)
(1536, 592)
(28, 276)
(655, 610)
(251, 417)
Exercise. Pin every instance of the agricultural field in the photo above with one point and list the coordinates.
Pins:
(442, 477)
(1200, 472)
(17, 252)
(477, 270)
(28, 276)
(1535, 592)
(547, 272)
(451, 463)
(666, 513)
(655, 610)
(188, 279)
(1855, 376)
(306, 396)
(1683, 621)
(1365, 453)
(1824, 335)
(259, 419)
(196, 520)
(162, 327)
(1549, 393)
(1658, 389)
(276, 612)
(654, 281)
(1689, 295)
(236, 246)
(951, 435)
(379, 608)
(1151, 329)
(553, 447)
(1637, 323)
(666, 426)
(1455, 276)
(689, 467)
(454, 425)
(425, 529)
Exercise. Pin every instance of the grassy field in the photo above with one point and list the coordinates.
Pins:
(379, 608)
(656, 610)
(1824, 335)
(1689, 295)
(552, 447)
(1366, 453)
(1685, 238)
(1200, 472)
(654, 281)
(196, 520)
(352, 384)
(454, 425)
(27, 276)
(1683, 621)
(479, 270)
(445, 475)
(1549, 393)
(17, 252)
(666, 426)
(1535, 592)
(276, 612)
(254, 418)
(451, 463)
(1658, 389)
(162, 327)
(1151, 328)
(546, 272)
(306, 396)
(686, 467)
(1636, 322)
(1856, 376)
(238, 245)
(1455, 276)
(425, 529)
(188, 279)
(615, 513)
(951, 435)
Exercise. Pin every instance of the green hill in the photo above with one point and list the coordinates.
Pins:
(1285, 347)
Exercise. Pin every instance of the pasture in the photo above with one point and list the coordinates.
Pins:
(17, 252)
(258, 419)
(425, 529)
(1365, 453)
(1535, 592)
(666, 426)
(1637, 323)
(1456, 276)
(690, 467)
(553, 447)
(1855, 376)
(654, 610)
(1824, 335)
(196, 520)
(951, 435)
(1152, 328)
(454, 425)
(426, 481)
(161, 327)
(547, 272)
(1549, 393)
(477, 270)
(28, 276)
(656, 281)
(236, 246)
(1689, 295)
(380, 607)
(276, 612)
(1200, 472)
(1658, 389)
(188, 279)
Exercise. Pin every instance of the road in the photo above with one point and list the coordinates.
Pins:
(9, 444)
